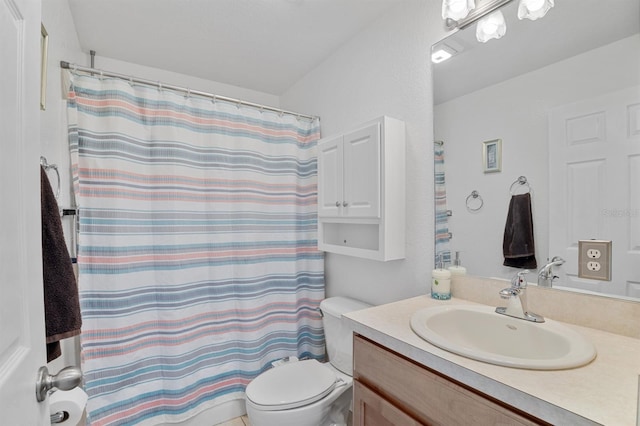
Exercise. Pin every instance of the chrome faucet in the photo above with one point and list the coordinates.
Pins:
(545, 276)
(517, 299)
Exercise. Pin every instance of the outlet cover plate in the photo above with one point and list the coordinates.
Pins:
(594, 259)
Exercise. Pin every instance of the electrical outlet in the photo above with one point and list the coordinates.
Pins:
(594, 254)
(594, 266)
(594, 259)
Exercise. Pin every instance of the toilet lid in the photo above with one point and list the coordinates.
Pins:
(291, 385)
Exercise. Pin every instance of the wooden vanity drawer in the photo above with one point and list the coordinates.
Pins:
(423, 394)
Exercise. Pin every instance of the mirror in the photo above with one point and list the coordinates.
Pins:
(562, 94)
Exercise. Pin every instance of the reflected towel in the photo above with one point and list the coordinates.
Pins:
(518, 246)
(61, 300)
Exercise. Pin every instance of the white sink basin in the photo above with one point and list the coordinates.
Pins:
(479, 333)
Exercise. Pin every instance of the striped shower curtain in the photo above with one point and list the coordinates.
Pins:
(442, 247)
(197, 249)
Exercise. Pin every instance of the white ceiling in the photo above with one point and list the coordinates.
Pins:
(264, 45)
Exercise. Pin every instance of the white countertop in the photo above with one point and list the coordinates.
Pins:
(602, 392)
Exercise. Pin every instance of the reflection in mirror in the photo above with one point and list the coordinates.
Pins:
(562, 93)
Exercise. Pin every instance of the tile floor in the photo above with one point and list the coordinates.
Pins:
(238, 421)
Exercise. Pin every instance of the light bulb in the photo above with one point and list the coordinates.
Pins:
(491, 27)
(534, 9)
(456, 9)
(533, 5)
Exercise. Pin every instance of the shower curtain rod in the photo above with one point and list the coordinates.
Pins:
(74, 67)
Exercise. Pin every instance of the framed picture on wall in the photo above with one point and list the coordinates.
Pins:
(492, 156)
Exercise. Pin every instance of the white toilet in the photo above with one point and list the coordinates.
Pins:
(309, 393)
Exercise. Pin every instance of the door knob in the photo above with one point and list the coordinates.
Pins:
(345, 204)
(337, 203)
(66, 379)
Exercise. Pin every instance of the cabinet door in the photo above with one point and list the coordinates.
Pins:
(425, 394)
(369, 408)
(362, 172)
(330, 188)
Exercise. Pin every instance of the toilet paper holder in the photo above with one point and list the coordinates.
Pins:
(59, 417)
(66, 379)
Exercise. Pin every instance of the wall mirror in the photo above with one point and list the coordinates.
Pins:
(562, 93)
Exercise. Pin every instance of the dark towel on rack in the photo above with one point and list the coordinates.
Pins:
(518, 246)
(61, 300)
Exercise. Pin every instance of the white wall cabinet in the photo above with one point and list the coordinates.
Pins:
(349, 174)
(361, 191)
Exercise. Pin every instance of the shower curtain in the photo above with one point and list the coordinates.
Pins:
(443, 237)
(197, 250)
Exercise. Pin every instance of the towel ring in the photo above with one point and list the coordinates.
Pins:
(475, 195)
(46, 166)
(522, 180)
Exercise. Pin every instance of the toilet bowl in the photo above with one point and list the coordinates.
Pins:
(309, 393)
(303, 393)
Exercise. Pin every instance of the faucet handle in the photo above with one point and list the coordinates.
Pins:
(507, 293)
(519, 280)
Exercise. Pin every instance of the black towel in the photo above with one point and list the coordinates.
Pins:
(518, 246)
(61, 300)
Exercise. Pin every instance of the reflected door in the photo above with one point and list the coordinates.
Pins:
(595, 180)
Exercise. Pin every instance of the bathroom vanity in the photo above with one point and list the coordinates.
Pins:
(391, 388)
(401, 379)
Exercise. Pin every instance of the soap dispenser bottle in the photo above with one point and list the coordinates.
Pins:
(457, 268)
(441, 282)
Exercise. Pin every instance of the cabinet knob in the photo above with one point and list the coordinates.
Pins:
(337, 203)
(345, 204)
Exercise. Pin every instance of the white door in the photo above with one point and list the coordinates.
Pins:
(595, 180)
(362, 172)
(22, 345)
(330, 195)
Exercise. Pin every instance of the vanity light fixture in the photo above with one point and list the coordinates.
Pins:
(455, 14)
(483, 8)
(534, 9)
(491, 27)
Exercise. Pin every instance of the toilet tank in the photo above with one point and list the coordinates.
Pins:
(338, 335)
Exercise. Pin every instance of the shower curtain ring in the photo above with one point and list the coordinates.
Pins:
(188, 93)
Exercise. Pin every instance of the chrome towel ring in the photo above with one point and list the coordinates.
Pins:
(472, 201)
(520, 182)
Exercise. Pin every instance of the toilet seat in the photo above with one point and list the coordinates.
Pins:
(291, 385)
